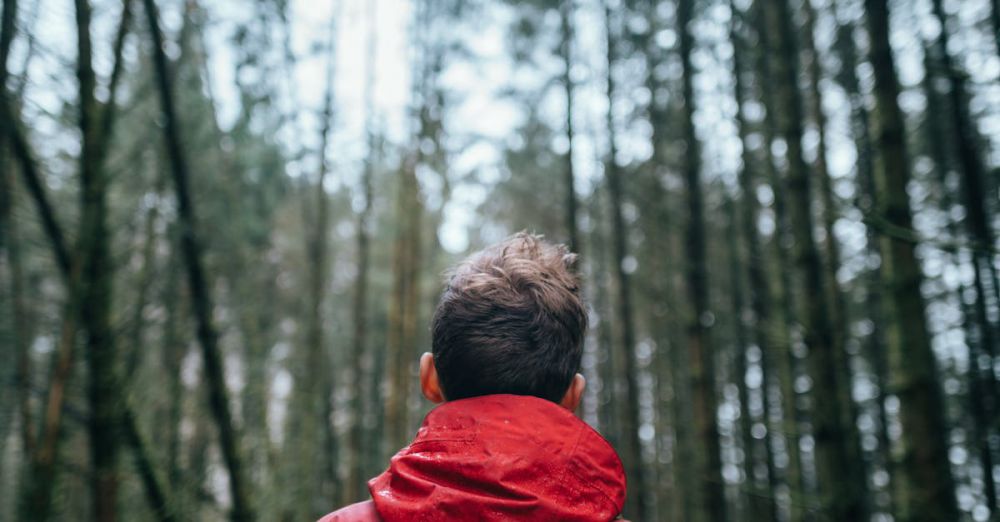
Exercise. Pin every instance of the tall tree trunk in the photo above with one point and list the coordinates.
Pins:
(783, 323)
(637, 506)
(753, 491)
(19, 320)
(981, 384)
(360, 305)
(197, 281)
(10, 244)
(840, 499)
(925, 485)
(35, 185)
(710, 492)
(757, 278)
(609, 371)
(403, 302)
(103, 387)
(173, 351)
(836, 305)
(974, 185)
(875, 349)
(316, 393)
(670, 478)
(566, 54)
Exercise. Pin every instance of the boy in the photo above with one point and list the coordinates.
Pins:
(507, 338)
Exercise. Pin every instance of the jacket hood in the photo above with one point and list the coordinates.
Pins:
(502, 457)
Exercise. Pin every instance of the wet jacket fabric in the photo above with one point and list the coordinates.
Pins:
(497, 458)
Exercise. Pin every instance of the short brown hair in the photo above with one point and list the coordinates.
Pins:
(510, 320)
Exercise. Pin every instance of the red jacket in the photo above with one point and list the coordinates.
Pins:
(497, 458)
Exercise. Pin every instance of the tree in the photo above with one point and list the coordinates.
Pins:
(982, 390)
(757, 278)
(632, 452)
(847, 54)
(925, 486)
(96, 271)
(783, 325)
(201, 299)
(974, 184)
(836, 304)
(840, 499)
(360, 305)
(566, 54)
(315, 395)
(708, 471)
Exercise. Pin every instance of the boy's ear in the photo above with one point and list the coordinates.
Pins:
(571, 400)
(429, 383)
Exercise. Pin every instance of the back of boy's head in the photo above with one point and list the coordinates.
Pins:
(511, 320)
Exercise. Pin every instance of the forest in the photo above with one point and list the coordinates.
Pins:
(224, 224)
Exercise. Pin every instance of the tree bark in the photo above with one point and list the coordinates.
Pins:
(840, 498)
(875, 349)
(982, 386)
(565, 54)
(402, 313)
(925, 485)
(10, 244)
(710, 492)
(974, 185)
(637, 506)
(197, 281)
(355, 485)
(104, 386)
(783, 324)
(317, 388)
(857, 477)
(35, 185)
(763, 506)
(753, 490)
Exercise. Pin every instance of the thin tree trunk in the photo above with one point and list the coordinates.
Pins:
(153, 486)
(565, 53)
(973, 184)
(355, 485)
(138, 319)
(104, 386)
(402, 311)
(840, 498)
(34, 183)
(173, 349)
(671, 480)
(610, 369)
(753, 491)
(925, 483)
(637, 506)
(857, 480)
(154, 489)
(10, 243)
(757, 279)
(981, 384)
(873, 307)
(317, 389)
(19, 321)
(200, 297)
(780, 338)
(710, 492)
